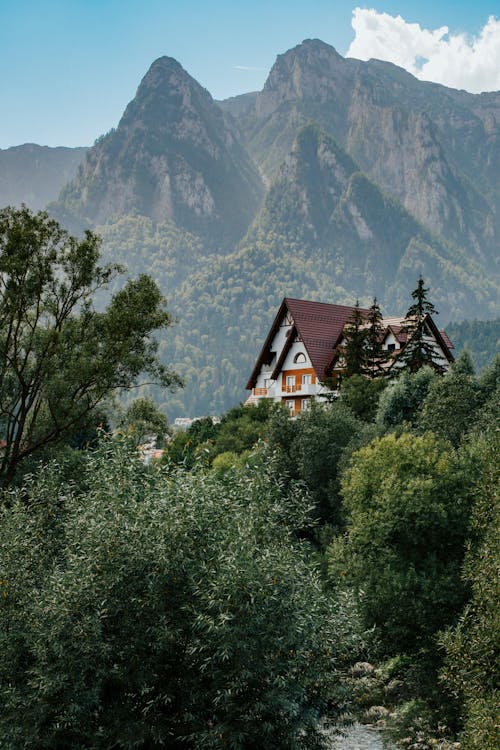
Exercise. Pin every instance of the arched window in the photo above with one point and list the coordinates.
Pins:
(300, 357)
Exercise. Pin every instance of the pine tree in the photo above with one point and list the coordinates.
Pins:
(354, 351)
(418, 350)
(375, 355)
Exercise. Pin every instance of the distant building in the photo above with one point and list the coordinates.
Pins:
(302, 354)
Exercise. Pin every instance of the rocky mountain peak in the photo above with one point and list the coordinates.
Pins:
(175, 156)
(312, 70)
(166, 93)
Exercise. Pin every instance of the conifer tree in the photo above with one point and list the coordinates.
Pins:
(375, 355)
(418, 351)
(354, 350)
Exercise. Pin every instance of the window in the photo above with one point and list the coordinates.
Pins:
(267, 382)
(290, 380)
(290, 404)
(306, 404)
(306, 379)
(391, 347)
(299, 358)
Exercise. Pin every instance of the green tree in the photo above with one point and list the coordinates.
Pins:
(242, 427)
(418, 351)
(402, 400)
(472, 670)
(156, 611)
(362, 395)
(375, 355)
(407, 499)
(142, 418)
(60, 357)
(353, 352)
(451, 406)
(310, 449)
(463, 363)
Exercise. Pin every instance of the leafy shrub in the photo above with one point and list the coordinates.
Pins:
(163, 611)
(408, 506)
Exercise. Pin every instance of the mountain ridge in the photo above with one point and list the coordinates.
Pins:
(339, 180)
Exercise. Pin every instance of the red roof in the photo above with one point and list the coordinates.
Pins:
(319, 325)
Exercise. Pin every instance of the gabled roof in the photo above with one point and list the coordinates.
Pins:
(319, 325)
(395, 325)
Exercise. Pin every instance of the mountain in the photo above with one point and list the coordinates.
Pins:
(480, 337)
(174, 156)
(34, 175)
(339, 180)
(321, 234)
(435, 149)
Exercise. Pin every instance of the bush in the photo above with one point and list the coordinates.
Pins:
(407, 500)
(163, 611)
(401, 401)
(310, 450)
(451, 405)
(472, 671)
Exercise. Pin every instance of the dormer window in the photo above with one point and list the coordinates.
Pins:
(391, 347)
(299, 358)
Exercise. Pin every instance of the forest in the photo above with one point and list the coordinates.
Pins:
(267, 579)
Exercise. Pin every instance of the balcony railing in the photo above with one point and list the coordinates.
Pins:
(260, 391)
(304, 389)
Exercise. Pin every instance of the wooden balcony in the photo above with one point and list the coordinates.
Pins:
(260, 392)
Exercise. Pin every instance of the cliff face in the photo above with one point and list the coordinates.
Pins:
(175, 156)
(434, 149)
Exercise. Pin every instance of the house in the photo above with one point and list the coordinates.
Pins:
(302, 355)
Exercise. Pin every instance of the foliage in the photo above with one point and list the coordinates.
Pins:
(463, 364)
(362, 395)
(408, 518)
(242, 427)
(353, 351)
(472, 646)
(60, 357)
(450, 407)
(162, 610)
(186, 446)
(489, 380)
(418, 351)
(237, 432)
(401, 401)
(480, 337)
(142, 418)
(375, 355)
(310, 449)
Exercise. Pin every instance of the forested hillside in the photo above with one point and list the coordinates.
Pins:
(480, 337)
(339, 180)
(34, 175)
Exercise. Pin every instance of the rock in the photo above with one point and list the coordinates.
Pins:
(362, 669)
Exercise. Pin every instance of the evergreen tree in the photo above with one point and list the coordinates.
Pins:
(354, 351)
(375, 355)
(418, 350)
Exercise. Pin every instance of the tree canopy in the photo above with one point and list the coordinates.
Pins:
(60, 356)
(177, 610)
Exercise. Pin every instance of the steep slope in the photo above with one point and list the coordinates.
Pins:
(34, 175)
(321, 234)
(434, 149)
(174, 156)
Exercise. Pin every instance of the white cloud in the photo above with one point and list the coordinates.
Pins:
(247, 67)
(456, 60)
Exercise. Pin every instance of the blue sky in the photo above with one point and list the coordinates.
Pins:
(69, 67)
